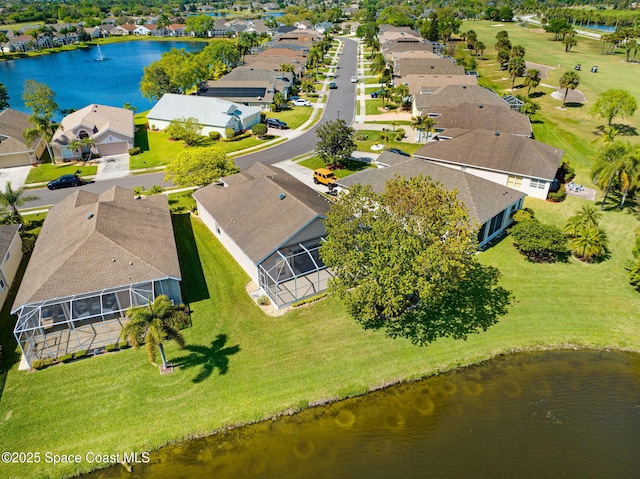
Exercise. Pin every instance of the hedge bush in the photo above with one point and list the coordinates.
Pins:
(81, 354)
(263, 300)
(214, 135)
(111, 347)
(310, 300)
(42, 363)
(242, 136)
(135, 151)
(66, 358)
(123, 345)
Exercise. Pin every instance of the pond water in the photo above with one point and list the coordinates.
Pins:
(553, 414)
(78, 78)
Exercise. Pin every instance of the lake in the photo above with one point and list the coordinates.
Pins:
(79, 79)
(565, 414)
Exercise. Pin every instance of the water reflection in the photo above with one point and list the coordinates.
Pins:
(560, 414)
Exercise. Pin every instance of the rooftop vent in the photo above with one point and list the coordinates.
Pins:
(282, 196)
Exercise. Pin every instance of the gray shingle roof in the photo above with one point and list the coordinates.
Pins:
(427, 66)
(96, 119)
(251, 212)
(483, 198)
(12, 123)
(7, 233)
(503, 153)
(90, 242)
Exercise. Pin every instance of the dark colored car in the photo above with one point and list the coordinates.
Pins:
(377, 93)
(275, 123)
(397, 151)
(66, 181)
(333, 85)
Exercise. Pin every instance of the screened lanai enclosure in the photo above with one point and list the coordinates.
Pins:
(84, 322)
(293, 273)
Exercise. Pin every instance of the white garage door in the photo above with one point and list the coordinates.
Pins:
(113, 148)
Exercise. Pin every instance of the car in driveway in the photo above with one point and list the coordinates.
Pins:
(377, 93)
(301, 102)
(275, 123)
(66, 181)
(354, 79)
(398, 151)
(333, 85)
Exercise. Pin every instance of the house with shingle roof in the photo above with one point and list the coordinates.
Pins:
(474, 116)
(96, 256)
(14, 150)
(416, 83)
(515, 161)
(10, 257)
(490, 205)
(426, 66)
(272, 224)
(214, 114)
(110, 128)
(430, 99)
(254, 93)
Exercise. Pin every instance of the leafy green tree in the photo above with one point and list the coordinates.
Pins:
(13, 199)
(177, 71)
(3, 41)
(569, 81)
(503, 58)
(259, 129)
(532, 79)
(400, 257)
(4, 97)
(517, 51)
(219, 51)
(612, 103)
(200, 25)
(279, 101)
(200, 167)
(185, 129)
(634, 275)
(540, 243)
(432, 33)
(335, 142)
(153, 325)
(307, 86)
(40, 99)
(559, 27)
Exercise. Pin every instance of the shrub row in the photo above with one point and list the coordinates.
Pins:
(241, 136)
(310, 300)
(43, 363)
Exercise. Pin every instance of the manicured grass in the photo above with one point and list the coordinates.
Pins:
(294, 117)
(372, 139)
(371, 81)
(242, 366)
(182, 202)
(373, 106)
(48, 171)
(571, 128)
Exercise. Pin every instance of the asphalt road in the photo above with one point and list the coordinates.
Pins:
(340, 104)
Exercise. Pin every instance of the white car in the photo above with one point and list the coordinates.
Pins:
(301, 102)
(354, 79)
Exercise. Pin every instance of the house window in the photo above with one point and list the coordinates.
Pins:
(2, 284)
(514, 181)
(540, 184)
(83, 134)
(496, 223)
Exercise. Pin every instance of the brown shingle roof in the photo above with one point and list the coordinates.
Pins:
(90, 242)
(97, 120)
(12, 124)
(496, 152)
(7, 233)
(427, 66)
(430, 99)
(428, 82)
(483, 198)
(472, 116)
(252, 213)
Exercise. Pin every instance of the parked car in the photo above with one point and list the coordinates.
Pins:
(66, 181)
(354, 79)
(333, 85)
(324, 176)
(377, 93)
(301, 102)
(275, 123)
(398, 151)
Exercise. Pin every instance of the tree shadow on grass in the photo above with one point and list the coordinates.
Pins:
(208, 358)
(194, 284)
(537, 94)
(573, 104)
(473, 306)
(625, 130)
(141, 138)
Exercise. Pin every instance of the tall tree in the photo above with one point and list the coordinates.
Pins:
(200, 167)
(617, 161)
(153, 325)
(4, 97)
(40, 99)
(200, 25)
(569, 41)
(3, 41)
(532, 79)
(612, 103)
(422, 124)
(335, 142)
(569, 81)
(516, 69)
(400, 257)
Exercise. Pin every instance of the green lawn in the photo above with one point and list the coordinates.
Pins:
(241, 365)
(372, 139)
(294, 117)
(373, 106)
(572, 128)
(48, 171)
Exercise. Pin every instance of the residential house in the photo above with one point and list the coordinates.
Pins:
(431, 99)
(96, 256)
(323, 27)
(272, 224)
(148, 29)
(120, 30)
(214, 114)
(254, 93)
(10, 257)
(430, 83)
(14, 150)
(509, 160)
(94, 32)
(110, 128)
(303, 24)
(177, 30)
(425, 66)
(281, 81)
(490, 205)
(129, 27)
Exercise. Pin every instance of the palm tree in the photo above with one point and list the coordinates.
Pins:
(13, 199)
(532, 79)
(422, 123)
(74, 145)
(286, 67)
(569, 81)
(88, 142)
(479, 48)
(153, 324)
(379, 63)
(516, 68)
(589, 244)
(617, 160)
(586, 218)
(384, 138)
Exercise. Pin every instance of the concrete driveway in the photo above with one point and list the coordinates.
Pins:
(114, 166)
(16, 175)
